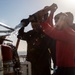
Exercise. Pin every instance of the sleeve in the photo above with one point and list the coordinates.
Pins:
(23, 35)
(50, 19)
(66, 35)
(20, 33)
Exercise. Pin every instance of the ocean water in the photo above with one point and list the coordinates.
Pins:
(22, 59)
(22, 52)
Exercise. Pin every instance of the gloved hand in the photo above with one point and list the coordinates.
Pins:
(53, 7)
(25, 22)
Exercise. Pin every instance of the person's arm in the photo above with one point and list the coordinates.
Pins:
(20, 33)
(66, 35)
(50, 18)
(24, 23)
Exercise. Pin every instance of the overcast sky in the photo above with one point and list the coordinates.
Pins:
(13, 11)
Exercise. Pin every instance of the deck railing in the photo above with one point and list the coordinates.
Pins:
(25, 65)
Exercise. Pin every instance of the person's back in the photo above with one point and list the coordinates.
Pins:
(37, 52)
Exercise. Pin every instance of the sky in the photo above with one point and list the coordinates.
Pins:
(13, 11)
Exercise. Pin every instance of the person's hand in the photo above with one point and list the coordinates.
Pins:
(53, 7)
(45, 10)
(24, 22)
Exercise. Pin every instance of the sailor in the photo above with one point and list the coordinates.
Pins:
(38, 47)
(65, 42)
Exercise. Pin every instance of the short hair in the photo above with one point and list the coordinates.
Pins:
(70, 16)
(58, 15)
